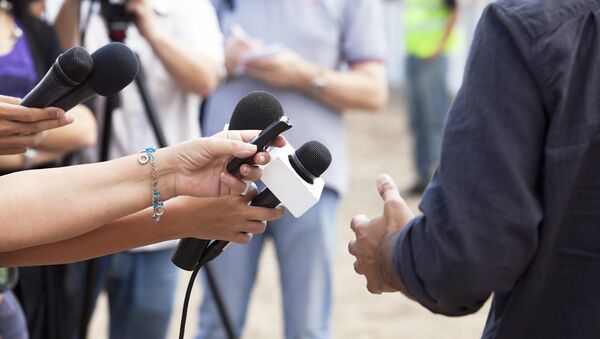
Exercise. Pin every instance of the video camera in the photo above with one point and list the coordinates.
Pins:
(115, 15)
(117, 18)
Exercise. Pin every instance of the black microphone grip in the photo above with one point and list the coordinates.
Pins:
(76, 96)
(45, 92)
(266, 198)
(188, 253)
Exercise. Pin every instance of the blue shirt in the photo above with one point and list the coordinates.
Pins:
(514, 208)
(329, 33)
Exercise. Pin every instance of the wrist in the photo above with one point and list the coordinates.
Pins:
(165, 173)
(386, 254)
(307, 72)
(154, 37)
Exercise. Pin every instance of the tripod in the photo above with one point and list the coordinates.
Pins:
(93, 267)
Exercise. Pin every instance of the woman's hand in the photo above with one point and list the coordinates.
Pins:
(22, 127)
(227, 218)
(198, 166)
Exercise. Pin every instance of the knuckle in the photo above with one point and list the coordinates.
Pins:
(28, 116)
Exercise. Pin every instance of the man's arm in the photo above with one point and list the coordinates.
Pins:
(481, 213)
(362, 46)
(364, 86)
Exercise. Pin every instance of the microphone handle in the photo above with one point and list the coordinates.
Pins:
(46, 91)
(74, 97)
(188, 253)
(266, 198)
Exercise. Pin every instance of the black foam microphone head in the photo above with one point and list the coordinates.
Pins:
(115, 66)
(76, 64)
(256, 110)
(315, 157)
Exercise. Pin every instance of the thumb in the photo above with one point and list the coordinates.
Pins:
(222, 147)
(395, 208)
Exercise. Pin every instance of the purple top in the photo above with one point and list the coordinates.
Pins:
(17, 69)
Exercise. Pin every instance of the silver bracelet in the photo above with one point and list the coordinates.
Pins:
(158, 209)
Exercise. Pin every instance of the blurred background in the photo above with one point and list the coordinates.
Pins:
(376, 144)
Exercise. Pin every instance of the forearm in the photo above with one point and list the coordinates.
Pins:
(66, 24)
(363, 87)
(132, 231)
(80, 134)
(448, 31)
(16, 162)
(196, 73)
(45, 206)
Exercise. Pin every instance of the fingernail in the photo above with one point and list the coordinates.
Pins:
(69, 117)
(59, 113)
(250, 147)
(261, 158)
(245, 169)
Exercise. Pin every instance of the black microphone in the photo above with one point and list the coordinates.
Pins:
(68, 71)
(115, 66)
(255, 111)
(309, 162)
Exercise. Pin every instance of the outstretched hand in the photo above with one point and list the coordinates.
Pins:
(375, 239)
(199, 164)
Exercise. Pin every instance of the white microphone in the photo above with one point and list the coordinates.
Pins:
(293, 178)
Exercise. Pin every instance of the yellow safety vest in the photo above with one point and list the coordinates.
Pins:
(424, 26)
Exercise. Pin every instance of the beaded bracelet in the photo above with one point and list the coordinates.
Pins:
(158, 209)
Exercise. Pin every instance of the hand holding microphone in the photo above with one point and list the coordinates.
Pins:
(73, 78)
(256, 111)
(22, 127)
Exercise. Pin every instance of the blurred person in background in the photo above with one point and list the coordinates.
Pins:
(513, 208)
(428, 34)
(180, 49)
(320, 59)
(29, 48)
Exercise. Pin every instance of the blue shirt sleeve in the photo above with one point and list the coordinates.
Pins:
(482, 211)
(363, 37)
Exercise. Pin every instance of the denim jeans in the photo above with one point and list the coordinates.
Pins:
(141, 288)
(428, 102)
(12, 318)
(304, 249)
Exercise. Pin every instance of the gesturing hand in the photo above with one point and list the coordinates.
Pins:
(375, 239)
(22, 127)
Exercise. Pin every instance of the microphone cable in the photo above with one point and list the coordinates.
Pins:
(186, 301)
(217, 298)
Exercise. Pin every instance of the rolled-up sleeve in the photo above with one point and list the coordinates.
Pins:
(482, 211)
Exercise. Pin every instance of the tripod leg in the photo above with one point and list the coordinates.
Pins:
(214, 288)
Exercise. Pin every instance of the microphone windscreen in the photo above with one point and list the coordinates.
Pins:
(115, 66)
(256, 110)
(315, 157)
(76, 64)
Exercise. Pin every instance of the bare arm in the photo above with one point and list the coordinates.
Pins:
(45, 206)
(80, 134)
(196, 73)
(59, 142)
(364, 86)
(449, 27)
(66, 24)
(188, 217)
